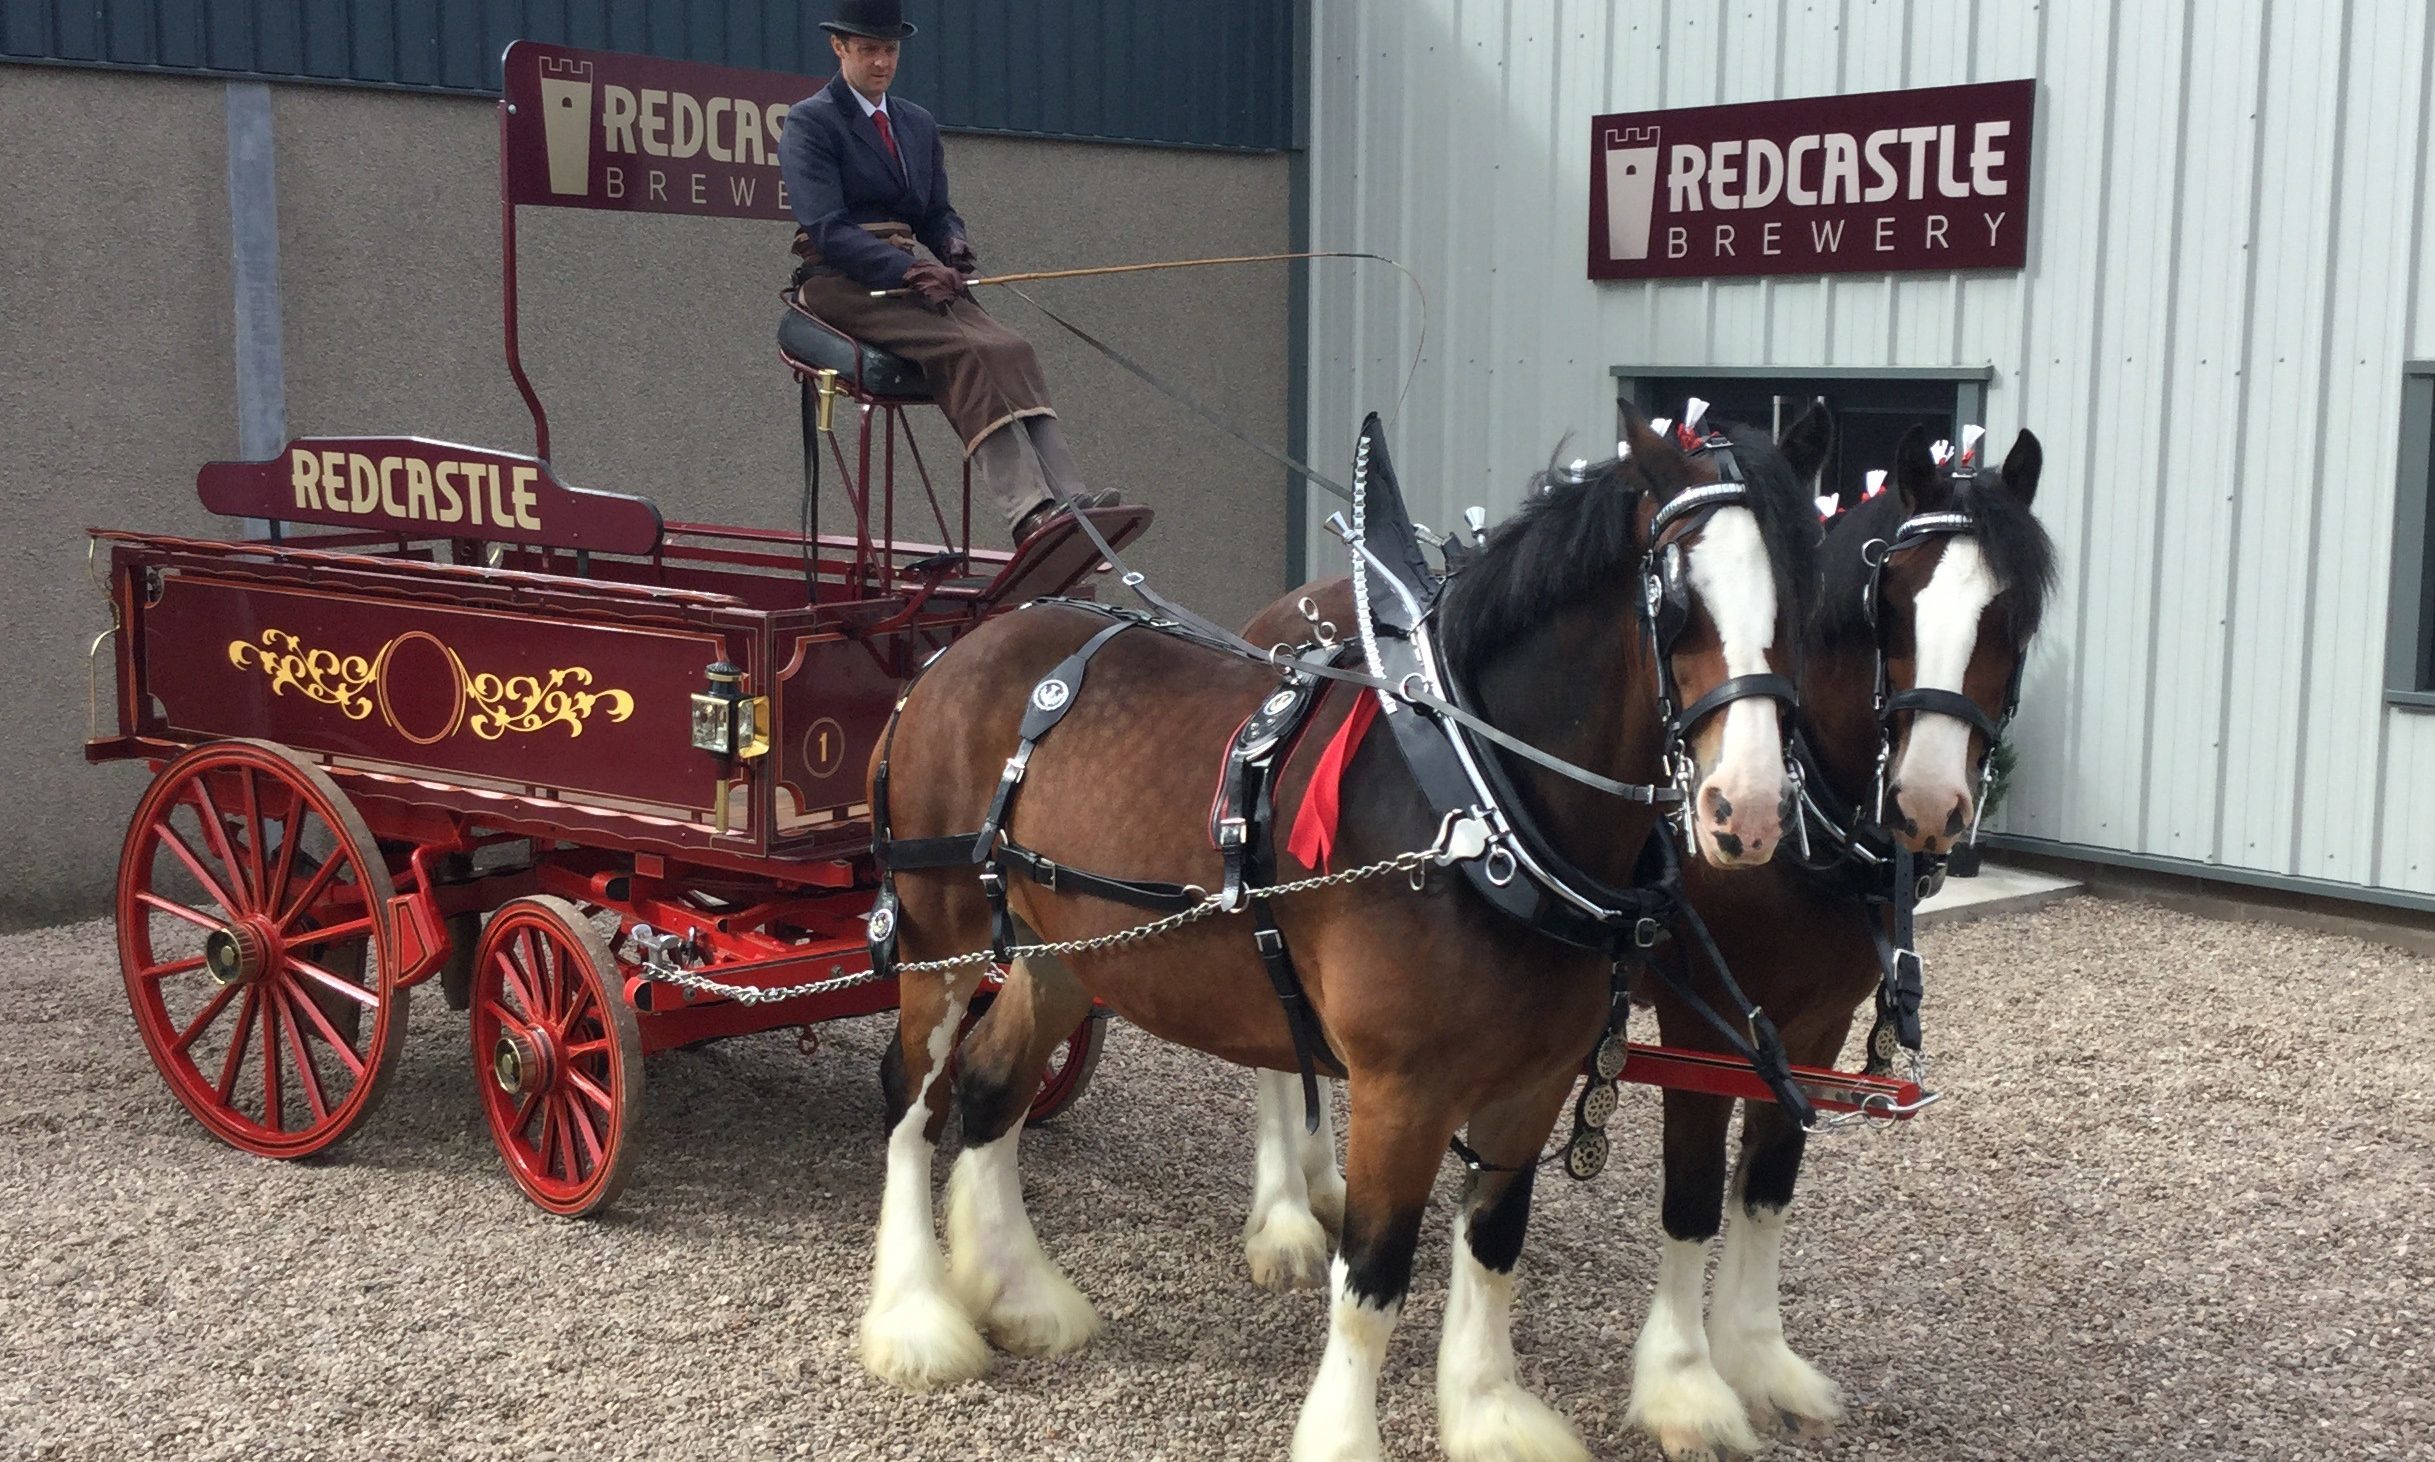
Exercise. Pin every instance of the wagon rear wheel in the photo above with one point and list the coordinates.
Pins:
(1069, 1070)
(1069, 1066)
(252, 903)
(557, 1055)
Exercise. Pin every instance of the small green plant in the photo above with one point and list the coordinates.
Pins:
(2003, 759)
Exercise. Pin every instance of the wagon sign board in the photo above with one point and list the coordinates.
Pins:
(428, 489)
(1890, 181)
(598, 129)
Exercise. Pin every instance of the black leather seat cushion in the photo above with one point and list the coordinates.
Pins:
(812, 345)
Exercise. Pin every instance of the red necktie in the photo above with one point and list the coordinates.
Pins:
(887, 135)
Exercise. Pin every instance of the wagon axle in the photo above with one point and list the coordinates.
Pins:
(240, 951)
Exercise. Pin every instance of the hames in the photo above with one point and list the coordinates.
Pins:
(474, 493)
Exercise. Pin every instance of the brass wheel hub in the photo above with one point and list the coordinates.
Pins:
(236, 953)
(520, 1062)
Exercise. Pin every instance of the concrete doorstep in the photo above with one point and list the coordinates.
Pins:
(1996, 890)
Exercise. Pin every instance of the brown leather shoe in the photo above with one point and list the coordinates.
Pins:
(1048, 512)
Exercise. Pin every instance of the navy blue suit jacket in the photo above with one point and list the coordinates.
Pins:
(839, 175)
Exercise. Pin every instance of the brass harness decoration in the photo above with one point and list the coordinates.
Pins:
(500, 704)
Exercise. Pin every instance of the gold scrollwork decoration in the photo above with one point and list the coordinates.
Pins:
(532, 702)
(504, 704)
(321, 675)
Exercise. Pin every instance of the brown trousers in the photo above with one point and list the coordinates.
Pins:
(983, 376)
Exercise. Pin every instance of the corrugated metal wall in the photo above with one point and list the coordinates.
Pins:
(1211, 73)
(2226, 275)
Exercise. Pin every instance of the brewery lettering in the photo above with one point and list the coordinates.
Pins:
(473, 493)
(1823, 170)
(672, 124)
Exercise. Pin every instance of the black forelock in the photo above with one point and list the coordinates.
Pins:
(2009, 536)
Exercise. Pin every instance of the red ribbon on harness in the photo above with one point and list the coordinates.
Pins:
(1314, 837)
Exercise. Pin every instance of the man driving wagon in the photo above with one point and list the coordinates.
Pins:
(867, 178)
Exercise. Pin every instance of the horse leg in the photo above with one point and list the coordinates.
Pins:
(1282, 1237)
(1319, 1174)
(1005, 1281)
(913, 1334)
(1482, 1410)
(1677, 1395)
(1747, 1328)
(1398, 1138)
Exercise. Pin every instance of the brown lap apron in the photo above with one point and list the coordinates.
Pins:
(982, 374)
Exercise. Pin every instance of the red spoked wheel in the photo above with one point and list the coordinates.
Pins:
(253, 937)
(1069, 1066)
(558, 1057)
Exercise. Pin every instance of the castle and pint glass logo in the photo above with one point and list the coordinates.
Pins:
(600, 129)
(1887, 181)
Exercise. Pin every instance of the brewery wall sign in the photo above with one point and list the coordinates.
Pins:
(1936, 178)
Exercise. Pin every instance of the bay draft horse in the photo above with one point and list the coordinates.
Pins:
(1957, 612)
(1440, 1013)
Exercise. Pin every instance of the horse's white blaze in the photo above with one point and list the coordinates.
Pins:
(1482, 1411)
(1746, 1327)
(1282, 1238)
(1002, 1277)
(912, 1333)
(1736, 583)
(1339, 1421)
(1676, 1393)
(1935, 768)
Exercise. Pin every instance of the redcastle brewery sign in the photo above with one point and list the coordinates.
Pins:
(428, 489)
(597, 129)
(1891, 180)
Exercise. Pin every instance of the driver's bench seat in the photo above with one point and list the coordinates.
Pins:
(870, 375)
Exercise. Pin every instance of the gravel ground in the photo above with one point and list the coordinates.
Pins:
(2168, 1210)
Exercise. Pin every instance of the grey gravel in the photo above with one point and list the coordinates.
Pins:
(2178, 1204)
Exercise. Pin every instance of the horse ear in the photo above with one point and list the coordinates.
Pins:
(1915, 475)
(2022, 465)
(1807, 442)
(1661, 462)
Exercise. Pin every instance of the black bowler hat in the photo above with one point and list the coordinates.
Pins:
(879, 20)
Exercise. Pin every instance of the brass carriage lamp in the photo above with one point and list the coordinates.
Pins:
(730, 725)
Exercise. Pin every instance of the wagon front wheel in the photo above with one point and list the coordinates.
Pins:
(557, 1054)
(253, 939)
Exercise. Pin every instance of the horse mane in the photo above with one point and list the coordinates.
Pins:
(1575, 534)
(2009, 537)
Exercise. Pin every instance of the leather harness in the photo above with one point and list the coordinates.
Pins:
(1443, 740)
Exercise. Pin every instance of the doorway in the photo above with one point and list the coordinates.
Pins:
(1873, 406)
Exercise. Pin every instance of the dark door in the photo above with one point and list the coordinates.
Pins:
(1870, 414)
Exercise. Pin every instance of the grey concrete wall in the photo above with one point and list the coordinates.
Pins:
(116, 335)
(651, 340)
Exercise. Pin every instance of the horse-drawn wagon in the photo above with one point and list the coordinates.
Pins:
(600, 773)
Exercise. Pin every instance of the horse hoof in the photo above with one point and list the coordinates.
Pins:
(1507, 1425)
(1694, 1416)
(1053, 1319)
(1287, 1251)
(1782, 1390)
(922, 1343)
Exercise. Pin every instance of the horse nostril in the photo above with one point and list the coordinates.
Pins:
(1729, 845)
(1954, 824)
(1720, 807)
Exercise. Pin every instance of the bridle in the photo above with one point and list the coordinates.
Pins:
(1891, 704)
(1667, 594)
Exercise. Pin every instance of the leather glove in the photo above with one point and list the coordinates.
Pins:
(960, 258)
(935, 285)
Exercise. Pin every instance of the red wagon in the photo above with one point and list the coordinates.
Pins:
(599, 773)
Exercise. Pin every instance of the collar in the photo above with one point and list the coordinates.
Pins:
(868, 106)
